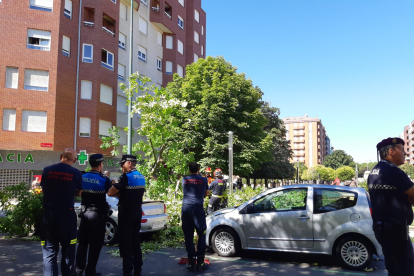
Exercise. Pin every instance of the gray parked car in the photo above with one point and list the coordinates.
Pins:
(154, 218)
(315, 219)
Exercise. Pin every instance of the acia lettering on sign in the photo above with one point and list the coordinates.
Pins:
(12, 157)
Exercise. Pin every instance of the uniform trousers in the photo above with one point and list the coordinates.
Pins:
(58, 227)
(91, 234)
(213, 204)
(193, 217)
(398, 254)
(129, 245)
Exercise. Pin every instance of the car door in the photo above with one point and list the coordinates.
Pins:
(280, 220)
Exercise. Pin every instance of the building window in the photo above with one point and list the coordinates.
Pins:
(159, 38)
(196, 15)
(12, 77)
(106, 94)
(142, 53)
(122, 41)
(121, 104)
(180, 70)
(168, 67)
(38, 40)
(169, 42)
(180, 47)
(104, 126)
(88, 17)
(181, 2)
(143, 25)
(196, 37)
(43, 5)
(202, 50)
(68, 9)
(86, 90)
(202, 29)
(36, 80)
(107, 59)
(113, 1)
(121, 71)
(180, 22)
(66, 46)
(108, 25)
(87, 53)
(159, 64)
(123, 11)
(145, 2)
(9, 119)
(195, 57)
(84, 127)
(34, 121)
(168, 10)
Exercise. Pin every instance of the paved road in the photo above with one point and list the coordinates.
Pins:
(22, 257)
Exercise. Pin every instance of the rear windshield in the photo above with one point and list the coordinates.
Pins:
(329, 200)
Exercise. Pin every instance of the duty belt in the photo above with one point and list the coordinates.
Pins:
(218, 196)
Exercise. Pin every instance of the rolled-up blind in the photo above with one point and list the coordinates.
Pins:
(12, 77)
(84, 127)
(38, 34)
(103, 127)
(66, 43)
(180, 47)
(36, 79)
(34, 121)
(106, 94)
(169, 42)
(168, 67)
(9, 119)
(121, 104)
(42, 3)
(86, 90)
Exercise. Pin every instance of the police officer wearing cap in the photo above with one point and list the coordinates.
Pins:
(130, 190)
(392, 195)
(217, 188)
(60, 184)
(94, 212)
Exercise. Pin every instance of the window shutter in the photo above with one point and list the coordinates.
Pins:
(103, 127)
(36, 78)
(66, 43)
(122, 40)
(196, 37)
(168, 67)
(12, 77)
(38, 34)
(180, 47)
(202, 50)
(86, 90)
(121, 104)
(106, 94)
(196, 15)
(34, 121)
(169, 42)
(142, 50)
(195, 57)
(123, 11)
(42, 3)
(180, 70)
(122, 136)
(9, 119)
(159, 38)
(143, 25)
(121, 71)
(181, 2)
(68, 5)
(202, 29)
(84, 127)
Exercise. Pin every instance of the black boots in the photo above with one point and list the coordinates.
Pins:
(201, 265)
(191, 264)
(138, 272)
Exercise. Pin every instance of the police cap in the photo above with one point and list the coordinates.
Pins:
(128, 157)
(390, 141)
(96, 157)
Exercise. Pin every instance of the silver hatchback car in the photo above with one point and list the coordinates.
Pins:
(315, 219)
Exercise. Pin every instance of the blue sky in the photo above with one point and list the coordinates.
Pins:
(349, 62)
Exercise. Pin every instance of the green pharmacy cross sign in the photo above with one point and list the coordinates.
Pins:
(83, 157)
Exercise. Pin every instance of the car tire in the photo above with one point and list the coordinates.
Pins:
(354, 252)
(111, 232)
(226, 242)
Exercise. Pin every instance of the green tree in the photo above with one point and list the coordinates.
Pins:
(362, 167)
(221, 100)
(408, 169)
(305, 175)
(318, 171)
(338, 159)
(331, 174)
(345, 173)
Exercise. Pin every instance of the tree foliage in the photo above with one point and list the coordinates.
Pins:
(338, 159)
(345, 173)
(221, 100)
(362, 167)
(408, 169)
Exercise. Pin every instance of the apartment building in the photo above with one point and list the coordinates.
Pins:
(60, 72)
(408, 137)
(307, 138)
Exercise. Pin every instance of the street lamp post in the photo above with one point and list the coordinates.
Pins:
(131, 36)
(231, 161)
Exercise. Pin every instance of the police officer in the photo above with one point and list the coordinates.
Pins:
(392, 195)
(94, 211)
(217, 188)
(130, 190)
(60, 183)
(195, 188)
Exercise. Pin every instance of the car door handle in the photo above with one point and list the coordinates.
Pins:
(304, 217)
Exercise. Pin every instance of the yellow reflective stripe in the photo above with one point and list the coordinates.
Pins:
(42, 243)
(73, 241)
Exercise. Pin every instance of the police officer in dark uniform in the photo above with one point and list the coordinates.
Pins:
(392, 195)
(130, 190)
(60, 184)
(195, 188)
(217, 188)
(94, 211)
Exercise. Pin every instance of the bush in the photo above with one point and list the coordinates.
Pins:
(21, 218)
(363, 184)
(240, 197)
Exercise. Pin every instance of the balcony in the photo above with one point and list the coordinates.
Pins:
(161, 16)
(88, 17)
(299, 133)
(299, 127)
(88, 24)
(108, 25)
(107, 31)
(299, 154)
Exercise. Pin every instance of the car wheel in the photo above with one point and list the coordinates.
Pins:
(111, 232)
(354, 253)
(225, 242)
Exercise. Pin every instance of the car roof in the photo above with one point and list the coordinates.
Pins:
(333, 187)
